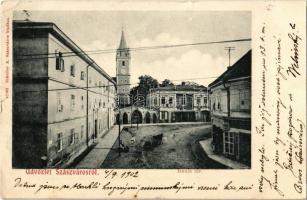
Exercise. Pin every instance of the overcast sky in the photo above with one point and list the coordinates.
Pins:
(99, 30)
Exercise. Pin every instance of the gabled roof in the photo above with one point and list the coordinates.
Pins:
(122, 44)
(241, 69)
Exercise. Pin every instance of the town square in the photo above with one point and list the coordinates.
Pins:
(124, 95)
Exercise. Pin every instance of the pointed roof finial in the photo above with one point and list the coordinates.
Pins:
(122, 44)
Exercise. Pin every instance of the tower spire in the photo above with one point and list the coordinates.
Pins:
(123, 44)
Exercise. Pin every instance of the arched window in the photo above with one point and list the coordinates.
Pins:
(123, 63)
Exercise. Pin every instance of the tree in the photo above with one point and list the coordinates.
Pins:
(146, 82)
(190, 83)
(166, 83)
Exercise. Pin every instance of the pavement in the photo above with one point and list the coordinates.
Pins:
(98, 154)
(206, 145)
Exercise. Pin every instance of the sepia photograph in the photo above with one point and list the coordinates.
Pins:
(131, 89)
(157, 90)
(153, 99)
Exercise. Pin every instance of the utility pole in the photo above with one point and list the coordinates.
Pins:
(119, 119)
(227, 87)
(131, 104)
(229, 49)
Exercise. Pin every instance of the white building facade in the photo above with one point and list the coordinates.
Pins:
(181, 103)
(64, 100)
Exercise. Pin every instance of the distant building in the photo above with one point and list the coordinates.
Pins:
(123, 71)
(180, 103)
(230, 96)
(62, 100)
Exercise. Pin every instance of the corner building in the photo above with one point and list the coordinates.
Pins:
(230, 97)
(180, 103)
(62, 100)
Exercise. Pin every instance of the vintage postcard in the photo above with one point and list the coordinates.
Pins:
(153, 99)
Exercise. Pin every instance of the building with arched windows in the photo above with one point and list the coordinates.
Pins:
(180, 103)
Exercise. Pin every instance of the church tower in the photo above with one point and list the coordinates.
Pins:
(123, 71)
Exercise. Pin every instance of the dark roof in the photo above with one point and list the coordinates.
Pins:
(21, 27)
(242, 68)
(181, 88)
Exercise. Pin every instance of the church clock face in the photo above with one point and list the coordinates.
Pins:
(123, 71)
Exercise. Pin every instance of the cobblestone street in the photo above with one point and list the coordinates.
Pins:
(179, 149)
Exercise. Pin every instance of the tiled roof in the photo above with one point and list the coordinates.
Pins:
(242, 68)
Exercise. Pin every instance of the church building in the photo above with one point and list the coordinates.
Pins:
(123, 72)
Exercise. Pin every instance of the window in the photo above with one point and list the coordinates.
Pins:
(164, 115)
(198, 101)
(205, 100)
(59, 102)
(82, 102)
(183, 100)
(72, 136)
(82, 75)
(82, 131)
(163, 100)
(59, 141)
(155, 101)
(72, 102)
(170, 100)
(123, 63)
(244, 99)
(218, 103)
(75, 137)
(229, 143)
(59, 61)
(72, 70)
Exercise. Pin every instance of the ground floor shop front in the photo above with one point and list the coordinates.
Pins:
(184, 116)
(232, 142)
